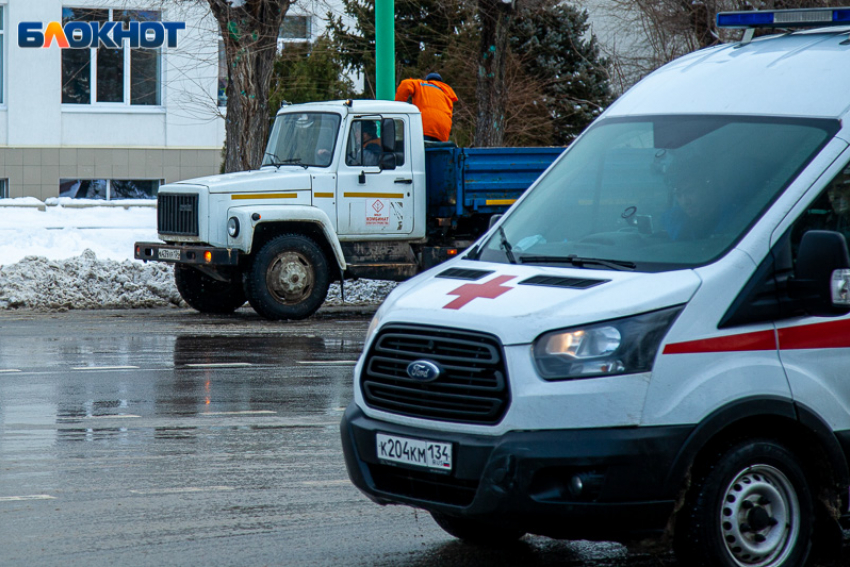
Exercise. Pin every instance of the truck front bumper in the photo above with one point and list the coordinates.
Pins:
(185, 254)
(530, 479)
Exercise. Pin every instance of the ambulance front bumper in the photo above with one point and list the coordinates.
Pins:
(604, 484)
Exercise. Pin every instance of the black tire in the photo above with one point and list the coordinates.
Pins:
(479, 533)
(288, 278)
(749, 506)
(207, 295)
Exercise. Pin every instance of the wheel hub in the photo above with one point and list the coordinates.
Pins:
(290, 277)
(760, 517)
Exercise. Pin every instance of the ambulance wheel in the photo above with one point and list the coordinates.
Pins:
(749, 506)
(206, 294)
(473, 531)
(288, 278)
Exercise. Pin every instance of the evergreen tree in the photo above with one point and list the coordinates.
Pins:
(555, 81)
(306, 72)
(554, 47)
(425, 30)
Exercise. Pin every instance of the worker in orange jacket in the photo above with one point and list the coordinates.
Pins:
(435, 100)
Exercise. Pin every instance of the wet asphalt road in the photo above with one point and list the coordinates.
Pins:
(167, 437)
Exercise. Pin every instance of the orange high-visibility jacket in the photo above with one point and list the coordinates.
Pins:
(435, 100)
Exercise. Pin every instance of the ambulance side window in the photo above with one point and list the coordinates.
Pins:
(830, 211)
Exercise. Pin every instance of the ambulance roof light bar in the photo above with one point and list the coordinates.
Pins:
(787, 19)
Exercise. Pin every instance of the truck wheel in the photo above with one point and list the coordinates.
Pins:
(476, 532)
(207, 295)
(288, 278)
(751, 506)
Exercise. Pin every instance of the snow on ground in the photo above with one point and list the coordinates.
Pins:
(73, 254)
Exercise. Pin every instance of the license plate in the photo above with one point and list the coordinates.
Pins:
(168, 254)
(417, 452)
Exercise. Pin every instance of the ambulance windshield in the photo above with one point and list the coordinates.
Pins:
(303, 138)
(657, 193)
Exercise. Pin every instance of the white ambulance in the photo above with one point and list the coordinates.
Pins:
(655, 340)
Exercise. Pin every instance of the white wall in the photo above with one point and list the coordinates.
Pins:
(34, 115)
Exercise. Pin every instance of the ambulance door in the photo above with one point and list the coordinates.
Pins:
(371, 201)
(815, 351)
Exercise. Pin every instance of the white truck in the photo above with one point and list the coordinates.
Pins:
(321, 208)
(655, 339)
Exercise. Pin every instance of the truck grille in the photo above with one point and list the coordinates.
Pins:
(177, 214)
(472, 386)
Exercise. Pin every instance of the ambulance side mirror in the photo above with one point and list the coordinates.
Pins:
(822, 274)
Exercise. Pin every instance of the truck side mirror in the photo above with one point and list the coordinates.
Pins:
(388, 135)
(493, 220)
(822, 274)
(387, 161)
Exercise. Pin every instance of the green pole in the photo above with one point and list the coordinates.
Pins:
(385, 49)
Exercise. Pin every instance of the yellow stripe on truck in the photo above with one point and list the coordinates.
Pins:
(324, 195)
(500, 201)
(375, 195)
(264, 196)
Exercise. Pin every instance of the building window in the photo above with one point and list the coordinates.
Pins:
(105, 75)
(295, 28)
(4, 188)
(109, 189)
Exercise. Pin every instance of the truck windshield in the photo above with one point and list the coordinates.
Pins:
(303, 138)
(657, 193)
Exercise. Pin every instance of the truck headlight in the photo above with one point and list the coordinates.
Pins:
(233, 227)
(622, 346)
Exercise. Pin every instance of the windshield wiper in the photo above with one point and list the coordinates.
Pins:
(293, 161)
(275, 159)
(506, 246)
(279, 162)
(578, 261)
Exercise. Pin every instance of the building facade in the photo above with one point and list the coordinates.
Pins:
(107, 123)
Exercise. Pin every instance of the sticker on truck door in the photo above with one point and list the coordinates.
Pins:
(385, 214)
(377, 213)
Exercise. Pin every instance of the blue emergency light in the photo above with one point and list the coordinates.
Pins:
(803, 18)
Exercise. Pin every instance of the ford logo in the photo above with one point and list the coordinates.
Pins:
(423, 371)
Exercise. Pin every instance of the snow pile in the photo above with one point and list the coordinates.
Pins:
(61, 256)
(360, 292)
(84, 282)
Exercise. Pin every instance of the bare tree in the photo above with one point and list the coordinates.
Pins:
(667, 29)
(495, 16)
(249, 29)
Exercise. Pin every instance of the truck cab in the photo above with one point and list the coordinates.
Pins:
(278, 236)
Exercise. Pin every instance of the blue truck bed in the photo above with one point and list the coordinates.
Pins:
(462, 182)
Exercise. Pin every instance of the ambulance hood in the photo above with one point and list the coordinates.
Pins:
(519, 303)
(285, 178)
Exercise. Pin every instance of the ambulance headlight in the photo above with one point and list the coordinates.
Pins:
(622, 346)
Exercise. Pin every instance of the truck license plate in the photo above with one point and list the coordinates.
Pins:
(417, 452)
(168, 254)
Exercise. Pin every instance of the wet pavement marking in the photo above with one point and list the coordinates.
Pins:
(221, 365)
(104, 368)
(327, 362)
(84, 417)
(4, 370)
(246, 412)
(182, 490)
(344, 482)
(22, 498)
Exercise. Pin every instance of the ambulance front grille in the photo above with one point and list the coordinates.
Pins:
(177, 214)
(472, 386)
